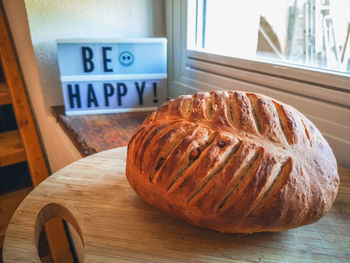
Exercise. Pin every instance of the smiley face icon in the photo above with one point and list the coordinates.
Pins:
(126, 58)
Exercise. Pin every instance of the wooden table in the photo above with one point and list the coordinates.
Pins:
(117, 226)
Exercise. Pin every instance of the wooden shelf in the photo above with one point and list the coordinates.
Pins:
(11, 148)
(5, 97)
(31, 150)
(96, 133)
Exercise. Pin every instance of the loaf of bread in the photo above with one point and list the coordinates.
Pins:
(235, 162)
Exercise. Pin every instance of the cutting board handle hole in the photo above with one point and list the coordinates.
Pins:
(58, 236)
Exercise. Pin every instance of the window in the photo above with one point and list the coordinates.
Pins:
(261, 46)
(313, 33)
(274, 38)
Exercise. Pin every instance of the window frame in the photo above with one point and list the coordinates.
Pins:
(323, 97)
(315, 83)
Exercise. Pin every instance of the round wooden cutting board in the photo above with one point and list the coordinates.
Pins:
(93, 195)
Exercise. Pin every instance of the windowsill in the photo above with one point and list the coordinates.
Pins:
(94, 133)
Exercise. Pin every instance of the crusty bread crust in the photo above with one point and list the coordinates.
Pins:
(234, 162)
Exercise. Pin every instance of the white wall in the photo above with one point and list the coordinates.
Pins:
(56, 19)
(51, 19)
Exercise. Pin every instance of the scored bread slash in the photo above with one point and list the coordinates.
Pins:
(233, 161)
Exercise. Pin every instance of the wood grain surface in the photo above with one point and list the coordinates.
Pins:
(11, 148)
(5, 97)
(93, 195)
(96, 133)
(21, 107)
(8, 205)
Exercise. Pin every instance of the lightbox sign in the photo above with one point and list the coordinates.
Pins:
(107, 76)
